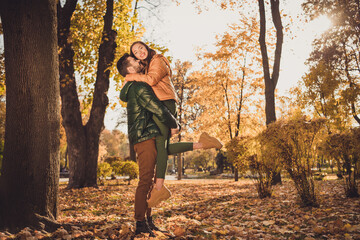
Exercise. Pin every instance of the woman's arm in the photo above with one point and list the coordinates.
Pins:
(158, 69)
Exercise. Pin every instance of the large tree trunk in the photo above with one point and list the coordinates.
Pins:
(83, 141)
(30, 173)
(271, 81)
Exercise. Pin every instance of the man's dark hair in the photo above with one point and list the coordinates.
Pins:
(123, 64)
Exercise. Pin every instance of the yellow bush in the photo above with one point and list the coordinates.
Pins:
(294, 142)
(344, 147)
(104, 170)
(126, 168)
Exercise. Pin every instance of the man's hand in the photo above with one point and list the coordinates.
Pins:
(174, 131)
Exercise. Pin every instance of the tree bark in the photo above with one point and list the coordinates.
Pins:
(83, 140)
(30, 173)
(271, 81)
(70, 106)
(357, 119)
(236, 174)
(179, 162)
(95, 125)
(179, 166)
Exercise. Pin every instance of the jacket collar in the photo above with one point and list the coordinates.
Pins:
(124, 91)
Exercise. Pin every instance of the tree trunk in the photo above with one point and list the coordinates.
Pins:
(276, 178)
(236, 174)
(95, 125)
(179, 166)
(179, 162)
(30, 173)
(353, 109)
(83, 141)
(271, 81)
(220, 162)
(70, 106)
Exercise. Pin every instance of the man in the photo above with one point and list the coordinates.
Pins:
(142, 130)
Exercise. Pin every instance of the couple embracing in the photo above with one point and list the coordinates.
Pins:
(151, 114)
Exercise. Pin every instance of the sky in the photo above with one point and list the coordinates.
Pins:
(183, 30)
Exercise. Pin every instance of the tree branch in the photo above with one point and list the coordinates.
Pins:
(263, 48)
(279, 39)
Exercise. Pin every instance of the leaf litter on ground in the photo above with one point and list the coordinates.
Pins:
(205, 209)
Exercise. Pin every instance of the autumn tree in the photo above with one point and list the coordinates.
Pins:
(84, 51)
(271, 79)
(30, 172)
(115, 143)
(230, 82)
(183, 83)
(338, 48)
(200, 160)
(321, 93)
(344, 148)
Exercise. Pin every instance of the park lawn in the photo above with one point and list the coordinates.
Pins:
(209, 209)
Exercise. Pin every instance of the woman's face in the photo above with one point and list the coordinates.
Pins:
(139, 51)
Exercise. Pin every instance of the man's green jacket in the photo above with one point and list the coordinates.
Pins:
(142, 104)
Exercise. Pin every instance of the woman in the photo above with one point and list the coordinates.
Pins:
(158, 76)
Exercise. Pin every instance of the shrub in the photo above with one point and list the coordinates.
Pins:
(112, 160)
(237, 152)
(345, 148)
(294, 141)
(131, 169)
(265, 163)
(263, 170)
(250, 154)
(126, 168)
(104, 170)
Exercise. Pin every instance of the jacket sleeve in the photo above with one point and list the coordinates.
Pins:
(150, 102)
(158, 69)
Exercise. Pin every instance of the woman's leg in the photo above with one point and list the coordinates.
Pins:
(160, 192)
(180, 147)
(162, 153)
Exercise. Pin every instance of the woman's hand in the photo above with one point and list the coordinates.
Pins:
(128, 78)
(174, 131)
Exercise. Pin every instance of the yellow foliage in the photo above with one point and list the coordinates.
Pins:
(294, 142)
(228, 87)
(86, 32)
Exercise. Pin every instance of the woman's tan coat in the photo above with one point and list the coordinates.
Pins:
(158, 76)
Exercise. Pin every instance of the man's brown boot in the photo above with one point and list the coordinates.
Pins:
(156, 196)
(209, 142)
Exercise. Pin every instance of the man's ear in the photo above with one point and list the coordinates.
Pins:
(130, 69)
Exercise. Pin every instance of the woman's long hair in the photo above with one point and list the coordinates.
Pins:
(151, 53)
